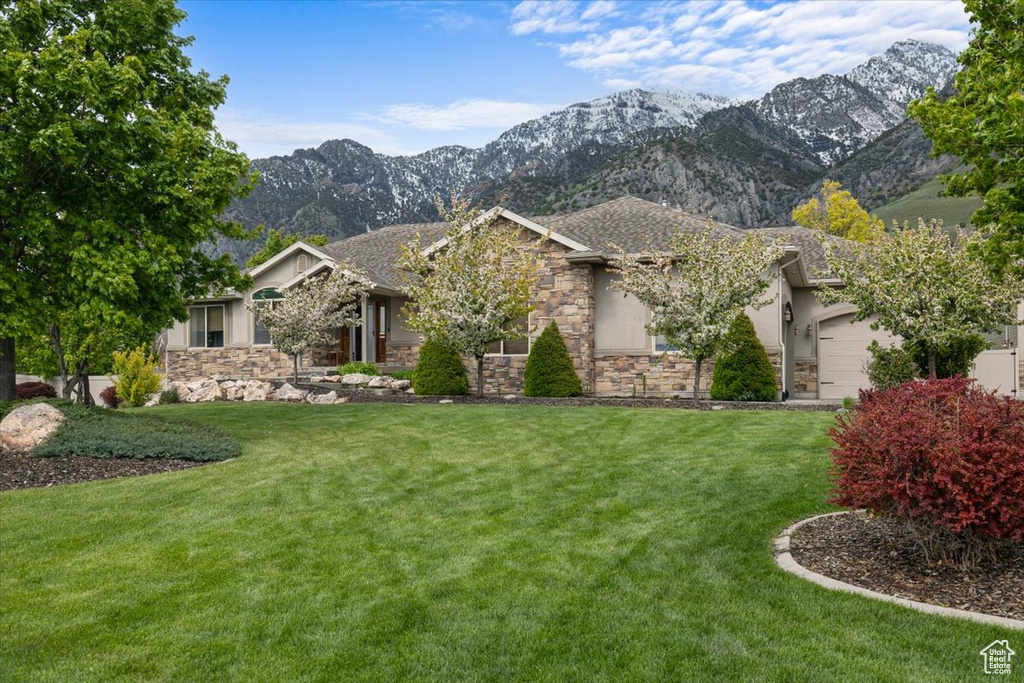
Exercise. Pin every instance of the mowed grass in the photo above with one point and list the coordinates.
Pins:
(454, 543)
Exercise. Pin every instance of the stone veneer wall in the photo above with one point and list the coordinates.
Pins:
(402, 355)
(670, 374)
(186, 365)
(805, 377)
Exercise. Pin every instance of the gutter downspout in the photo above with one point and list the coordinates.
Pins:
(782, 341)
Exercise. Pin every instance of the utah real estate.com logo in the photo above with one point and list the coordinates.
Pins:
(997, 657)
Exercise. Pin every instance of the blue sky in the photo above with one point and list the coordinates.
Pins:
(405, 76)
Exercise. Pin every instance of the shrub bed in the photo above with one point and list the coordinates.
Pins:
(27, 390)
(944, 454)
(102, 433)
(358, 368)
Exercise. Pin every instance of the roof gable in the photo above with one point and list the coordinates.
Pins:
(282, 255)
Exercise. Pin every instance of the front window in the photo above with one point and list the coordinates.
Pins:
(513, 347)
(661, 344)
(206, 326)
(264, 297)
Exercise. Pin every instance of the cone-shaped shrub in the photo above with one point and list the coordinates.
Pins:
(439, 371)
(549, 370)
(743, 372)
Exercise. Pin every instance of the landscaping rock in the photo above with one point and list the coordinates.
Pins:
(446, 400)
(153, 400)
(332, 378)
(316, 378)
(323, 399)
(234, 393)
(343, 399)
(205, 394)
(229, 384)
(194, 386)
(410, 390)
(400, 384)
(26, 427)
(289, 393)
(256, 390)
(181, 389)
(379, 383)
(356, 378)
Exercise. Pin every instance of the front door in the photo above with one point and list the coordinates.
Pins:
(380, 327)
(345, 345)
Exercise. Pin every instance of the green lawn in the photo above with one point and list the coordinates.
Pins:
(454, 543)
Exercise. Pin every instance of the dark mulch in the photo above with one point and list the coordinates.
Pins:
(22, 472)
(879, 554)
(373, 396)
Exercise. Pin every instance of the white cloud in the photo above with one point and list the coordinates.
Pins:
(463, 114)
(262, 136)
(734, 48)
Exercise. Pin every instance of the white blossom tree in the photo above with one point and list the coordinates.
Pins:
(695, 290)
(471, 290)
(309, 312)
(922, 285)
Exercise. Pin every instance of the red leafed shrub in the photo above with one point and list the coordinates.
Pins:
(27, 390)
(942, 452)
(110, 398)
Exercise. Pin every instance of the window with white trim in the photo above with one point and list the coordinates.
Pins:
(661, 344)
(513, 347)
(302, 263)
(268, 296)
(206, 326)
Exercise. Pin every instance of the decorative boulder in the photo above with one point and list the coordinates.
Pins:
(400, 384)
(323, 399)
(205, 394)
(256, 390)
(153, 401)
(379, 383)
(181, 389)
(289, 393)
(332, 378)
(356, 378)
(26, 427)
(194, 386)
(234, 393)
(343, 399)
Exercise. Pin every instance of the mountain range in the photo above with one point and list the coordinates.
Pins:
(747, 163)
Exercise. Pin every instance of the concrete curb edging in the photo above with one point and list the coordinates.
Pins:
(785, 560)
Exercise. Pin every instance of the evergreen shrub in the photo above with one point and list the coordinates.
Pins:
(137, 378)
(439, 371)
(549, 370)
(742, 371)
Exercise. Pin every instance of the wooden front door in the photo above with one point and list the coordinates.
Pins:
(380, 326)
(344, 345)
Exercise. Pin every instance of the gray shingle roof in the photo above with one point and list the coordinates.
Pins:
(376, 253)
(632, 224)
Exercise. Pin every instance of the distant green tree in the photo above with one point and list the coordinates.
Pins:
(981, 123)
(112, 174)
(743, 371)
(549, 370)
(277, 242)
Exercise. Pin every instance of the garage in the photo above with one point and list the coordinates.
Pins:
(843, 355)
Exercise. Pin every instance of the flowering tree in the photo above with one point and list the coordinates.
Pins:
(924, 287)
(696, 290)
(310, 311)
(470, 291)
(836, 212)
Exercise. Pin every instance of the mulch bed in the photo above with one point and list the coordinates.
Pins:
(876, 553)
(22, 472)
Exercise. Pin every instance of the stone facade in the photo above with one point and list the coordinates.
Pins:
(657, 375)
(805, 376)
(261, 362)
(402, 356)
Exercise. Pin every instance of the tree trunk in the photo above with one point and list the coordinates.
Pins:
(67, 383)
(7, 378)
(479, 375)
(696, 379)
(932, 373)
(295, 376)
(82, 376)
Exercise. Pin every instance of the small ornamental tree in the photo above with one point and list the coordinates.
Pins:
(743, 371)
(137, 378)
(549, 370)
(473, 289)
(836, 212)
(944, 454)
(439, 371)
(309, 313)
(696, 290)
(922, 286)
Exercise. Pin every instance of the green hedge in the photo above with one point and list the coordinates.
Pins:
(549, 370)
(104, 433)
(439, 371)
(743, 371)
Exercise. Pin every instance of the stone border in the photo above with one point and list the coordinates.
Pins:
(785, 560)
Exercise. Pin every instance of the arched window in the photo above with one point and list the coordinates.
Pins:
(302, 263)
(264, 297)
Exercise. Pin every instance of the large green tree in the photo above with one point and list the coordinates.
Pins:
(111, 171)
(982, 123)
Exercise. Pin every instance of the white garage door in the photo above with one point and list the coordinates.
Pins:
(843, 356)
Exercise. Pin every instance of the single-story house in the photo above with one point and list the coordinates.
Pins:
(816, 351)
